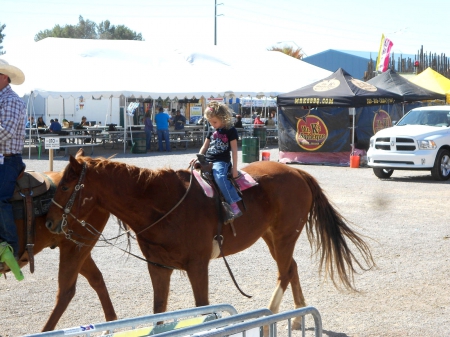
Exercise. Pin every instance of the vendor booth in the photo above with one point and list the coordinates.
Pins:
(320, 123)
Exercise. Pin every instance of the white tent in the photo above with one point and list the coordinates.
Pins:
(65, 68)
(71, 67)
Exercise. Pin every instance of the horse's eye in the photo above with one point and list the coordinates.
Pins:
(64, 188)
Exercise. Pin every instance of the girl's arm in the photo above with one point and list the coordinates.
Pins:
(205, 146)
(234, 157)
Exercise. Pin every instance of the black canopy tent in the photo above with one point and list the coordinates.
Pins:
(392, 81)
(339, 90)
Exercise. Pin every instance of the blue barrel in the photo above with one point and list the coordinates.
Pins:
(250, 149)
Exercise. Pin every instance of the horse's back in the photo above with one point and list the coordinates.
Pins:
(283, 192)
(276, 179)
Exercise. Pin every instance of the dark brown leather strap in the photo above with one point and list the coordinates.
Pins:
(30, 230)
(27, 195)
(219, 239)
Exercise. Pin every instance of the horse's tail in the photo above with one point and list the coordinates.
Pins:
(327, 231)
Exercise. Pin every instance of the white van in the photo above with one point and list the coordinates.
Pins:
(419, 141)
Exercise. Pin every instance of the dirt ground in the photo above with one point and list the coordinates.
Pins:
(406, 219)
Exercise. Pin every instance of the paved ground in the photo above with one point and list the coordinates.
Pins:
(405, 217)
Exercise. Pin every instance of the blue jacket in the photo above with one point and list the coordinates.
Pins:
(162, 121)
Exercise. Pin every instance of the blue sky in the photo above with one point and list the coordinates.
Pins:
(313, 25)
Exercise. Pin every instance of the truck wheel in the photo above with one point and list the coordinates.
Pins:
(383, 173)
(441, 168)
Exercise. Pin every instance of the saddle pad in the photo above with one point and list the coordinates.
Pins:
(207, 189)
(245, 181)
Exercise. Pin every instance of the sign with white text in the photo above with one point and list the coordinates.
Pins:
(51, 143)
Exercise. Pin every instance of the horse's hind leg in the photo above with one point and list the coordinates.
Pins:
(297, 294)
(282, 252)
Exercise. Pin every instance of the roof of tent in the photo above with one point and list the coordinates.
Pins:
(432, 80)
(391, 81)
(79, 67)
(338, 89)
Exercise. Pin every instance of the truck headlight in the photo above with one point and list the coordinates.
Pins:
(426, 144)
(372, 141)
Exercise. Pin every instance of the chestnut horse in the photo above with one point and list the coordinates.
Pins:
(74, 259)
(180, 235)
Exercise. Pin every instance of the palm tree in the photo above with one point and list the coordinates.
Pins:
(289, 50)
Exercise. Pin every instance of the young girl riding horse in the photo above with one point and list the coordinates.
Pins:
(217, 148)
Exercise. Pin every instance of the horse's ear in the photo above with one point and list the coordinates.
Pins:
(75, 165)
(80, 153)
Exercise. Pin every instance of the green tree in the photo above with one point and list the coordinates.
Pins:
(106, 31)
(289, 50)
(87, 29)
(1, 38)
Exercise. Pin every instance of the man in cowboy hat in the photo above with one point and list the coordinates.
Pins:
(12, 131)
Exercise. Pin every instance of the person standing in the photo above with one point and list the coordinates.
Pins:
(162, 128)
(148, 129)
(13, 115)
(179, 120)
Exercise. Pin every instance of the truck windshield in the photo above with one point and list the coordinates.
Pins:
(425, 117)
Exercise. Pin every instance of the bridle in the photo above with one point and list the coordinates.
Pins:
(67, 209)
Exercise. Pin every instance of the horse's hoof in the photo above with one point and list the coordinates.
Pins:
(296, 324)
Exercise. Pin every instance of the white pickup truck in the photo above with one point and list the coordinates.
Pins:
(419, 141)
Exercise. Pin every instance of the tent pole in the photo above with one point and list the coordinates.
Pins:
(29, 135)
(353, 113)
(125, 127)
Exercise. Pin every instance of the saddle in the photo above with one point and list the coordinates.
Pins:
(32, 197)
(202, 171)
(30, 182)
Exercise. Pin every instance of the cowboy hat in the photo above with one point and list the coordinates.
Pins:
(15, 74)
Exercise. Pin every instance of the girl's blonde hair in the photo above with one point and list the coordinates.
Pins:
(220, 111)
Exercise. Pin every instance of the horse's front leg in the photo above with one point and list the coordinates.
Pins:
(161, 285)
(70, 262)
(198, 276)
(95, 278)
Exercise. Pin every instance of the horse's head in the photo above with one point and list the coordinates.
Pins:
(71, 201)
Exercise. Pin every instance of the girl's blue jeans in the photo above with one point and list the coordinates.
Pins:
(220, 172)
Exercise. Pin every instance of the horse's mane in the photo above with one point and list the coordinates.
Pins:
(119, 169)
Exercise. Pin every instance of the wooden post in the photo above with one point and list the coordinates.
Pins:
(50, 159)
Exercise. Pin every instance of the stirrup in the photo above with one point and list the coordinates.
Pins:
(7, 256)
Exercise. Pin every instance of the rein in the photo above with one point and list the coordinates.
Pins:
(174, 207)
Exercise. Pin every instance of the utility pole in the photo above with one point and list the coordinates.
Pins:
(215, 20)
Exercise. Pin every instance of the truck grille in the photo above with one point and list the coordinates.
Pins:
(395, 144)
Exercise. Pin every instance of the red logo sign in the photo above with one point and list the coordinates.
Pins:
(381, 121)
(311, 133)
